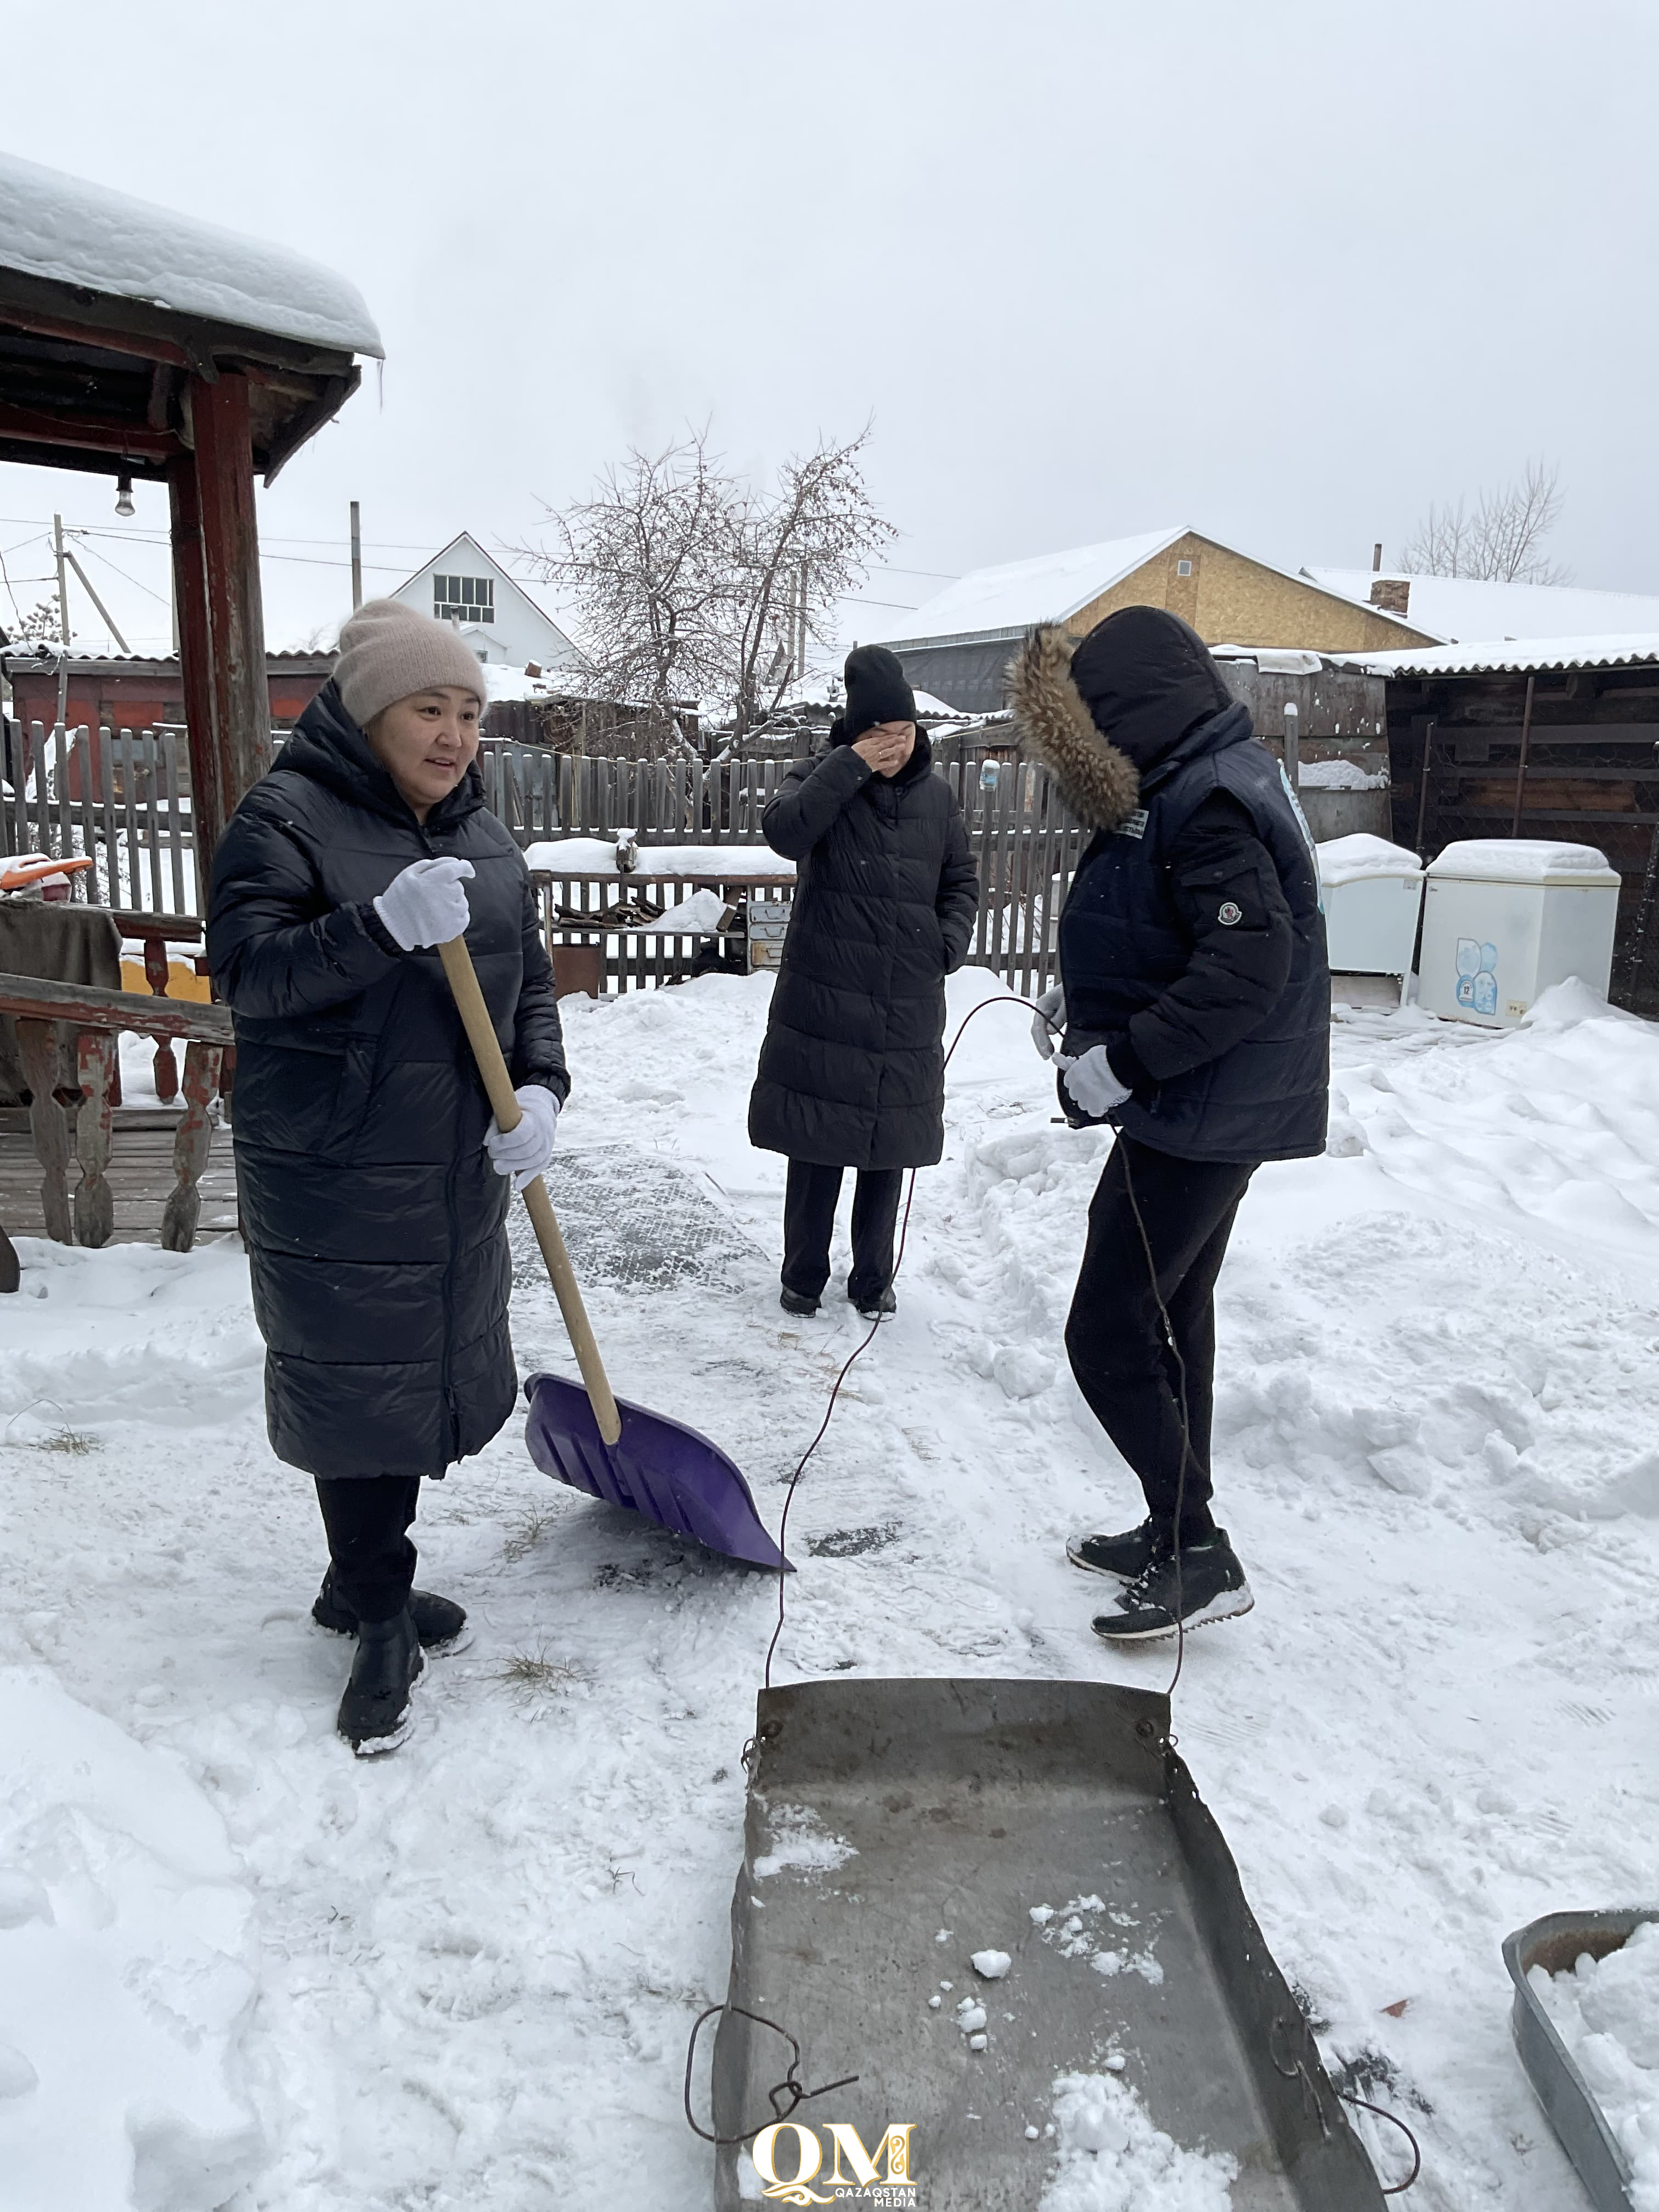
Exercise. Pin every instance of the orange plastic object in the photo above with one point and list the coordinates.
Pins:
(33, 871)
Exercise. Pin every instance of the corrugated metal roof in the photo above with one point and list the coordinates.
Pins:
(1509, 656)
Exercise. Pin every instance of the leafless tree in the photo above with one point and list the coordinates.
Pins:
(1502, 540)
(690, 584)
(648, 561)
(800, 544)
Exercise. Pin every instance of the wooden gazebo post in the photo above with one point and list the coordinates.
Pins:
(221, 645)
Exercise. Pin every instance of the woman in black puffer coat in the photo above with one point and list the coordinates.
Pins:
(374, 1184)
(851, 1073)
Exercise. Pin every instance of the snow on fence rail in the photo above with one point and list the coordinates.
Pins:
(121, 798)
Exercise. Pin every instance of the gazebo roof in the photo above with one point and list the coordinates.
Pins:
(108, 302)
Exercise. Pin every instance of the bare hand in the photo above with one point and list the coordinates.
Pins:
(887, 746)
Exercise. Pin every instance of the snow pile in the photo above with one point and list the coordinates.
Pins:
(1340, 776)
(74, 232)
(703, 912)
(1113, 2159)
(1607, 2012)
(589, 856)
(127, 1970)
(1521, 861)
(801, 1844)
(1349, 859)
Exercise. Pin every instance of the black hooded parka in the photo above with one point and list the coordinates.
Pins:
(851, 1072)
(374, 1221)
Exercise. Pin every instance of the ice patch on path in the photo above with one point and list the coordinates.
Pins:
(1607, 2012)
(126, 1971)
(1112, 2158)
(800, 1843)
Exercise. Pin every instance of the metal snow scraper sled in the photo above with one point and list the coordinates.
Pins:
(581, 1432)
(895, 1828)
(1556, 1944)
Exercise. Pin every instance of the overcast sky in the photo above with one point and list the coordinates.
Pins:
(1283, 272)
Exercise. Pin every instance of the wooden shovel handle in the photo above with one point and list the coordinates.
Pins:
(481, 1036)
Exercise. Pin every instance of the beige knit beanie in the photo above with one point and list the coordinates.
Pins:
(387, 651)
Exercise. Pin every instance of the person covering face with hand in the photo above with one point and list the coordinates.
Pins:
(1193, 1014)
(851, 1071)
(374, 1180)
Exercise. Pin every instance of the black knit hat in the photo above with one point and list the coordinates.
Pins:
(1146, 679)
(878, 690)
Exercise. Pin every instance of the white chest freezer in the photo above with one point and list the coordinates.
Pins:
(1373, 893)
(1506, 917)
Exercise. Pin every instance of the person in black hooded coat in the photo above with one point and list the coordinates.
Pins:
(373, 1185)
(1196, 1005)
(851, 1072)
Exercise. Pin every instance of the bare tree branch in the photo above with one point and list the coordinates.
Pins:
(1502, 541)
(690, 584)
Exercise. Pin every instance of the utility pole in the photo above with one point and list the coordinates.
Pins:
(63, 620)
(356, 556)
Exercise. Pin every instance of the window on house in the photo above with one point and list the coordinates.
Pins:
(464, 599)
(1183, 567)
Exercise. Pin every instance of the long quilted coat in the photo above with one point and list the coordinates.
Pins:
(852, 1072)
(374, 1221)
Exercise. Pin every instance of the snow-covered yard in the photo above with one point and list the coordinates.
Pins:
(238, 1966)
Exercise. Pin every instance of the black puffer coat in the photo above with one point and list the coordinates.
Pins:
(374, 1221)
(852, 1072)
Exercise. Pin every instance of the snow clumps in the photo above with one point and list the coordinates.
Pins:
(1607, 2012)
(1113, 2159)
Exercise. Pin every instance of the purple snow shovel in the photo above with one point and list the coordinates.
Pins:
(579, 1431)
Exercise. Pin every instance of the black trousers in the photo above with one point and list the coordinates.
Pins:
(809, 1221)
(1114, 1337)
(371, 1560)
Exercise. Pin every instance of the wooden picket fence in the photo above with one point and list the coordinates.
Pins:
(121, 798)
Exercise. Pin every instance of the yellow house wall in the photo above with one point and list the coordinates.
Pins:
(1230, 600)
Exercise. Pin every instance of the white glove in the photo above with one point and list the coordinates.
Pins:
(426, 904)
(524, 1150)
(1050, 1020)
(1090, 1083)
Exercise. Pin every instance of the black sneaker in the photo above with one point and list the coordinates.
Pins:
(1212, 1588)
(374, 1713)
(878, 1308)
(792, 1303)
(1125, 1555)
(440, 1623)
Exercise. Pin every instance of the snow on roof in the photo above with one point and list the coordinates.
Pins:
(1458, 607)
(71, 232)
(1009, 598)
(1521, 861)
(1505, 656)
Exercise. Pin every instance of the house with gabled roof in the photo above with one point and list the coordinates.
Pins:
(959, 643)
(493, 611)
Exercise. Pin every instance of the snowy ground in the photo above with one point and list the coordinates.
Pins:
(243, 1968)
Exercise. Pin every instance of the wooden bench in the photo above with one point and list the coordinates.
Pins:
(98, 1017)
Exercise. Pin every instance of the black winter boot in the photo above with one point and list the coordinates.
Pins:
(1208, 1584)
(374, 1710)
(1125, 1555)
(793, 1303)
(876, 1308)
(438, 1622)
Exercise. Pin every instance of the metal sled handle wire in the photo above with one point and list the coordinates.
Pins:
(498, 1083)
(783, 2096)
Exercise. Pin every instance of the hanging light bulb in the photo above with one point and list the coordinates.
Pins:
(123, 492)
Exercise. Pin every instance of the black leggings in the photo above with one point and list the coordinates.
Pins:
(1114, 1335)
(368, 1519)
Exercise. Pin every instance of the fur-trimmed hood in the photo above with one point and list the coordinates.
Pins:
(1098, 781)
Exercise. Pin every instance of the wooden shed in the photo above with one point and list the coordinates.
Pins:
(1551, 739)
